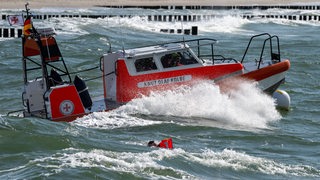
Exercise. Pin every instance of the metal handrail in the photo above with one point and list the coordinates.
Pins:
(269, 38)
(213, 41)
(258, 35)
(271, 52)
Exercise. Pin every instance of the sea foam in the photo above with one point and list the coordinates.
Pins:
(243, 107)
(246, 105)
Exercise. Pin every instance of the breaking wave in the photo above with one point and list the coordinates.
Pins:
(157, 163)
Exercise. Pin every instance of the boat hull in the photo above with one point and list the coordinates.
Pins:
(269, 77)
(130, 87)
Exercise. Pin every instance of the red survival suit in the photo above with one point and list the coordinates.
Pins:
(166, 143)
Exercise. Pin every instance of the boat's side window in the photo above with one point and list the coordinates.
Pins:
(145, 64)
(177, 59)
(171, 60)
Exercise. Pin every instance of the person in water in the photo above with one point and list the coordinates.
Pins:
(152, 143)
(165, 143)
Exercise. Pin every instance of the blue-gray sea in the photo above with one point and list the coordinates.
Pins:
(215, 136)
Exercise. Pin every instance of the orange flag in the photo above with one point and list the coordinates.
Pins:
(27, 28)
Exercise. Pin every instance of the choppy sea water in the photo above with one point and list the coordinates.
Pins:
(215, 136)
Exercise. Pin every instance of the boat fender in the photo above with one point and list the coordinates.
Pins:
(282, 99)
(83, 92)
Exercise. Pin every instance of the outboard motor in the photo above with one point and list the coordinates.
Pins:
(83, 92)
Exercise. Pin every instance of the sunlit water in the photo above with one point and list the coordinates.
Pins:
(237, 134)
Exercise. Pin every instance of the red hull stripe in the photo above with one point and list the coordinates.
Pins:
(268, 71)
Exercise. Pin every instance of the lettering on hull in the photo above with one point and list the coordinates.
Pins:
(164, 81)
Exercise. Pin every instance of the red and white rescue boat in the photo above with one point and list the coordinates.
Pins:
(50, 92)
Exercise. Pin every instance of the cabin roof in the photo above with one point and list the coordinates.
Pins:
(155, 49)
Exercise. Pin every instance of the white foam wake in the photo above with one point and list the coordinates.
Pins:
(112, 119)
(245, 105)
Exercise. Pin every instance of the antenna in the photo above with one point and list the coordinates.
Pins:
(121, 32)
(109, 42)
(184, 43)
(27, 9)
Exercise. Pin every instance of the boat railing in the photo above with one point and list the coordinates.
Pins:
(217, 58)
(209, 53)
(224, 59)
(198, 41)
(194, 44)
(275, 56)
(204, 49)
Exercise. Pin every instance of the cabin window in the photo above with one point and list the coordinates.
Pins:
(187, 58)
(178, 59)
(145, 64)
